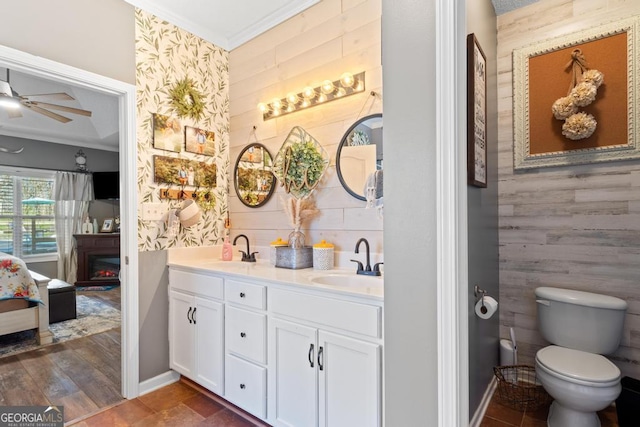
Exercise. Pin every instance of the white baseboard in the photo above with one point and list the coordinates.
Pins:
(484, 403)
(157, 382)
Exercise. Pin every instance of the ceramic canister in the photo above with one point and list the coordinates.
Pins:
(323, 256)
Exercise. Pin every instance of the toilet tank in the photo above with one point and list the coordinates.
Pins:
(580, 320)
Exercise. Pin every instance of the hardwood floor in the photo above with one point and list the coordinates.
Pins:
(499, 415)
(179, 404)
(83, 375)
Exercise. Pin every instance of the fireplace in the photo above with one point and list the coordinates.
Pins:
(98, 259)
(103, 267)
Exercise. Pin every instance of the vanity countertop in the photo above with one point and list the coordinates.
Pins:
(265, 272)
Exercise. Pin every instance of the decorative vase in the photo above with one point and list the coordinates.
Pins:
(296, 239)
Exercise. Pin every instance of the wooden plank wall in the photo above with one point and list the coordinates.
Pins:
(321, 43)
(576, 227)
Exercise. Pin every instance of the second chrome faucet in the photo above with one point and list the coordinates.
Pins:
(366, 269)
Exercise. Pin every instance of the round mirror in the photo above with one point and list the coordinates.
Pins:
(360, 154)
(254, 179)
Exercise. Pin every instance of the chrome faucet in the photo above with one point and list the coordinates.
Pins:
(247, 256)
(366, 270)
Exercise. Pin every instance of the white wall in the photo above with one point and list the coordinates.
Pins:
(411, 353)
(321, 43)
(93, 35)
(576, 227)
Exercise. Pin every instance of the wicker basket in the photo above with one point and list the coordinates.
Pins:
(519, 389)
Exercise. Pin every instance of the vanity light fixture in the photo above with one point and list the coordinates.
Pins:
(347, 84)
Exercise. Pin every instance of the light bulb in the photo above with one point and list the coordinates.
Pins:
(291, 107)
(308, 93)
(292, 98)
(341, 92)
(305, 103)
(276, 104)
(263, 107)
(327, 87)
(322, 97)
(346, 80)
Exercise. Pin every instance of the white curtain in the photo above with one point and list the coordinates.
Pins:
(72, 193)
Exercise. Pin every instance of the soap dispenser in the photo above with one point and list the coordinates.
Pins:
(227, 249)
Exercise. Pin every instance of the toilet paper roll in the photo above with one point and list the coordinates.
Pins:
(486, 311)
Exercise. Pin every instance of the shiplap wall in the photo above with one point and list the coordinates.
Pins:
(575, 227)
(321, 43)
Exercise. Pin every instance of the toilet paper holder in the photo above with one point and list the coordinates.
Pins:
(477, 291)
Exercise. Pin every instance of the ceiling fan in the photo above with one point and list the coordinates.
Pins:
(13, 102)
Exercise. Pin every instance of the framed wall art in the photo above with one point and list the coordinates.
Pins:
(575, 97)
(167, 133)
(107, 226)
(476, 113)
(199, 141)
(174, 171)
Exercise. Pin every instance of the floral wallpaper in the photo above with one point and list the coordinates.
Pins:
(165, 56)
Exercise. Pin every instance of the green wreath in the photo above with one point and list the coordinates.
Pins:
(186, 99)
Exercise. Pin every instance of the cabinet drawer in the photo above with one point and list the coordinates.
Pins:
(345, 315)
(200, 284)
(246, 333)
(246, 385)
(247, 294)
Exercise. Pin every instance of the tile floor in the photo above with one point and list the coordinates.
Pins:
(499, 415)
(179, 404)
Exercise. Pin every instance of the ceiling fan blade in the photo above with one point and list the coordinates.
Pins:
(47, 113)
(60, 96)
(62, 108)
(14, 114)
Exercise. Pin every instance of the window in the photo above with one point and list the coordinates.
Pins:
(27, 222)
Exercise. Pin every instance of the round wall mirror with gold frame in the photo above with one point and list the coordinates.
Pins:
(253, 176)
(360, 154)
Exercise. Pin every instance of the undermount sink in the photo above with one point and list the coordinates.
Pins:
(235, 263)
(350, 280)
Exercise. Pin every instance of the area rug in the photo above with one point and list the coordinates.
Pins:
(95, 288)
(94, 316)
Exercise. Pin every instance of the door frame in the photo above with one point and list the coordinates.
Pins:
(126, 93)
(451, 217)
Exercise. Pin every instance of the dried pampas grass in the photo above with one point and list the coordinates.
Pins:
(299, 210)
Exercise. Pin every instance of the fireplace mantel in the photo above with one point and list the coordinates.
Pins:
(98, 253)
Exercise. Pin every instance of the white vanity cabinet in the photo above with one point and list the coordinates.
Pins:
(196, 325)
(246, 346)
(289, 352)
(325, 361)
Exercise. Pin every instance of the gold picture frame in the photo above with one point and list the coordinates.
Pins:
(540, 77)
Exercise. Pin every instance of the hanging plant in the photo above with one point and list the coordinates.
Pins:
(186, 99)
(300, 163)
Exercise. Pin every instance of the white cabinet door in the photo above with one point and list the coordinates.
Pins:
(349, 382)
(209, 344)
(181, 333)
(293, 383)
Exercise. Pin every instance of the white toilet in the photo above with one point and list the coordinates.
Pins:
(582, 325)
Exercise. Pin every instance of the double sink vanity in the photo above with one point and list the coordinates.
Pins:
(292, 347)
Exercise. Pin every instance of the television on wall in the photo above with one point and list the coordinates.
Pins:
(106, 185)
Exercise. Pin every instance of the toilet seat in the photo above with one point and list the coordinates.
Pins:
(578, 366)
